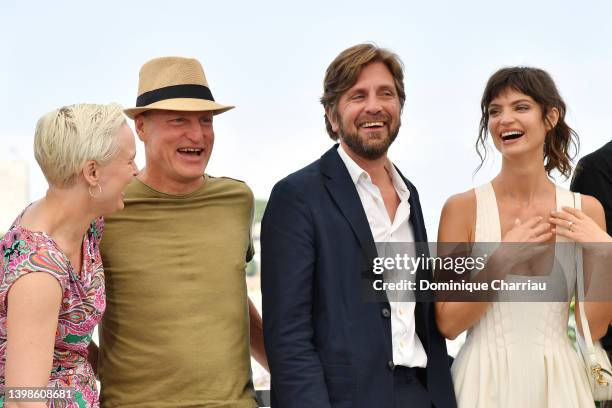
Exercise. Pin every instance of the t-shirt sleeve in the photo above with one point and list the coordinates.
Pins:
(42, 260)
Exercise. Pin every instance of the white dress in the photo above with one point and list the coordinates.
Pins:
(519, 353)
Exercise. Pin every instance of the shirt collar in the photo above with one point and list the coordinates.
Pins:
(357, 172)
(398, 183)
(353, 168)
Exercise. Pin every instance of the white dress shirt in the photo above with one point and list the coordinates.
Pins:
(407, 347)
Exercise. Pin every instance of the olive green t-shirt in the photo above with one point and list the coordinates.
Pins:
(176, 329)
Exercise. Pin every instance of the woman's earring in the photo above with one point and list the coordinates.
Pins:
(99, 191)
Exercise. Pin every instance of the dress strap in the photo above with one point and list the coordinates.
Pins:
(488, 227)
(566, 198)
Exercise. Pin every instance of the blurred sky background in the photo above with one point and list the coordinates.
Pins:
(269, 58)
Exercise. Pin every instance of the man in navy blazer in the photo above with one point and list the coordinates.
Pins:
(327, 344)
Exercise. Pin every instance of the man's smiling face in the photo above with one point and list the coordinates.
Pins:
(367, 116)
(178, 145)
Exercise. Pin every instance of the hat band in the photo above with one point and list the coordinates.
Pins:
(173, 92)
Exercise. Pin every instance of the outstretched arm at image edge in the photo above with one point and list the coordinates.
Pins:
(256, 336)
(33, 310)
(598, 313)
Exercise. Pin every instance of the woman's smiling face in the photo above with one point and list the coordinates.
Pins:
(516, 123)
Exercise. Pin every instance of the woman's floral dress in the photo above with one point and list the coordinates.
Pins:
(83, 302)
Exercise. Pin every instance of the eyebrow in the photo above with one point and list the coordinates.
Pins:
(361, 90)
(513, 103)
(355, 90)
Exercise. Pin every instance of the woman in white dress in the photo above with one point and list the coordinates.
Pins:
(517, 354)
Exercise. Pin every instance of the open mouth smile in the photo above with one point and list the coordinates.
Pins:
(191, 151)
(511, 135)
(372, 125)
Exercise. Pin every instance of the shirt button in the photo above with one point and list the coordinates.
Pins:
(386, 312)
(401, 311)
(391, 365)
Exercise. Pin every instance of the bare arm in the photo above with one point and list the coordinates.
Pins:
(257, 344)
(599, 315)
(589, 228)
(457, 223)
(33, 310)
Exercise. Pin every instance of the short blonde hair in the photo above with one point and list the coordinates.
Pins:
(68, 137)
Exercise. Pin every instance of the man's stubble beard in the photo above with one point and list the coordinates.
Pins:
(361, 149)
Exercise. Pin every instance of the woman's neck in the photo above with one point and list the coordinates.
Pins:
(64, 214)
(523, 180)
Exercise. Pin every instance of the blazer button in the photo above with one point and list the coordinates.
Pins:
(386, 312)
(391, 365)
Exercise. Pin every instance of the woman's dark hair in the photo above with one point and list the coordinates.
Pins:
(561, 143)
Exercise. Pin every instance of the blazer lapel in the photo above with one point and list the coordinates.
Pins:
(343, 192)
(416, 213)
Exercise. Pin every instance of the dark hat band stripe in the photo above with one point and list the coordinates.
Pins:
(173, 92)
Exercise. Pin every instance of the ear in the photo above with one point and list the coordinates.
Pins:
(333, 119)
(139, 124)
(91, 173)
(552, 118)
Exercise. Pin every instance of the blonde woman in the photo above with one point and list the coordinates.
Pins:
(51, 276)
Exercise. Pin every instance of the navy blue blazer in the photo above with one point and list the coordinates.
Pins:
(326, 346)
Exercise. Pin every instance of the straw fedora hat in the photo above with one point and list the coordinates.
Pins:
(174, 83)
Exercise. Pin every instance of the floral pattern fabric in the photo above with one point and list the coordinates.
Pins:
(83, 302)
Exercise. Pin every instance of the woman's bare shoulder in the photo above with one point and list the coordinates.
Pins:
(462, 201)
(593, 208)
(458, 217)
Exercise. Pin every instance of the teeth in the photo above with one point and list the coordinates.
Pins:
(372, 124)
(511, 133)
(190, 150)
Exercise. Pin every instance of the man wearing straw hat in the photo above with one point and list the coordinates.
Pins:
(176, 328)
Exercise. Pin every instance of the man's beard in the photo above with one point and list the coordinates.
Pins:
(365, 150)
